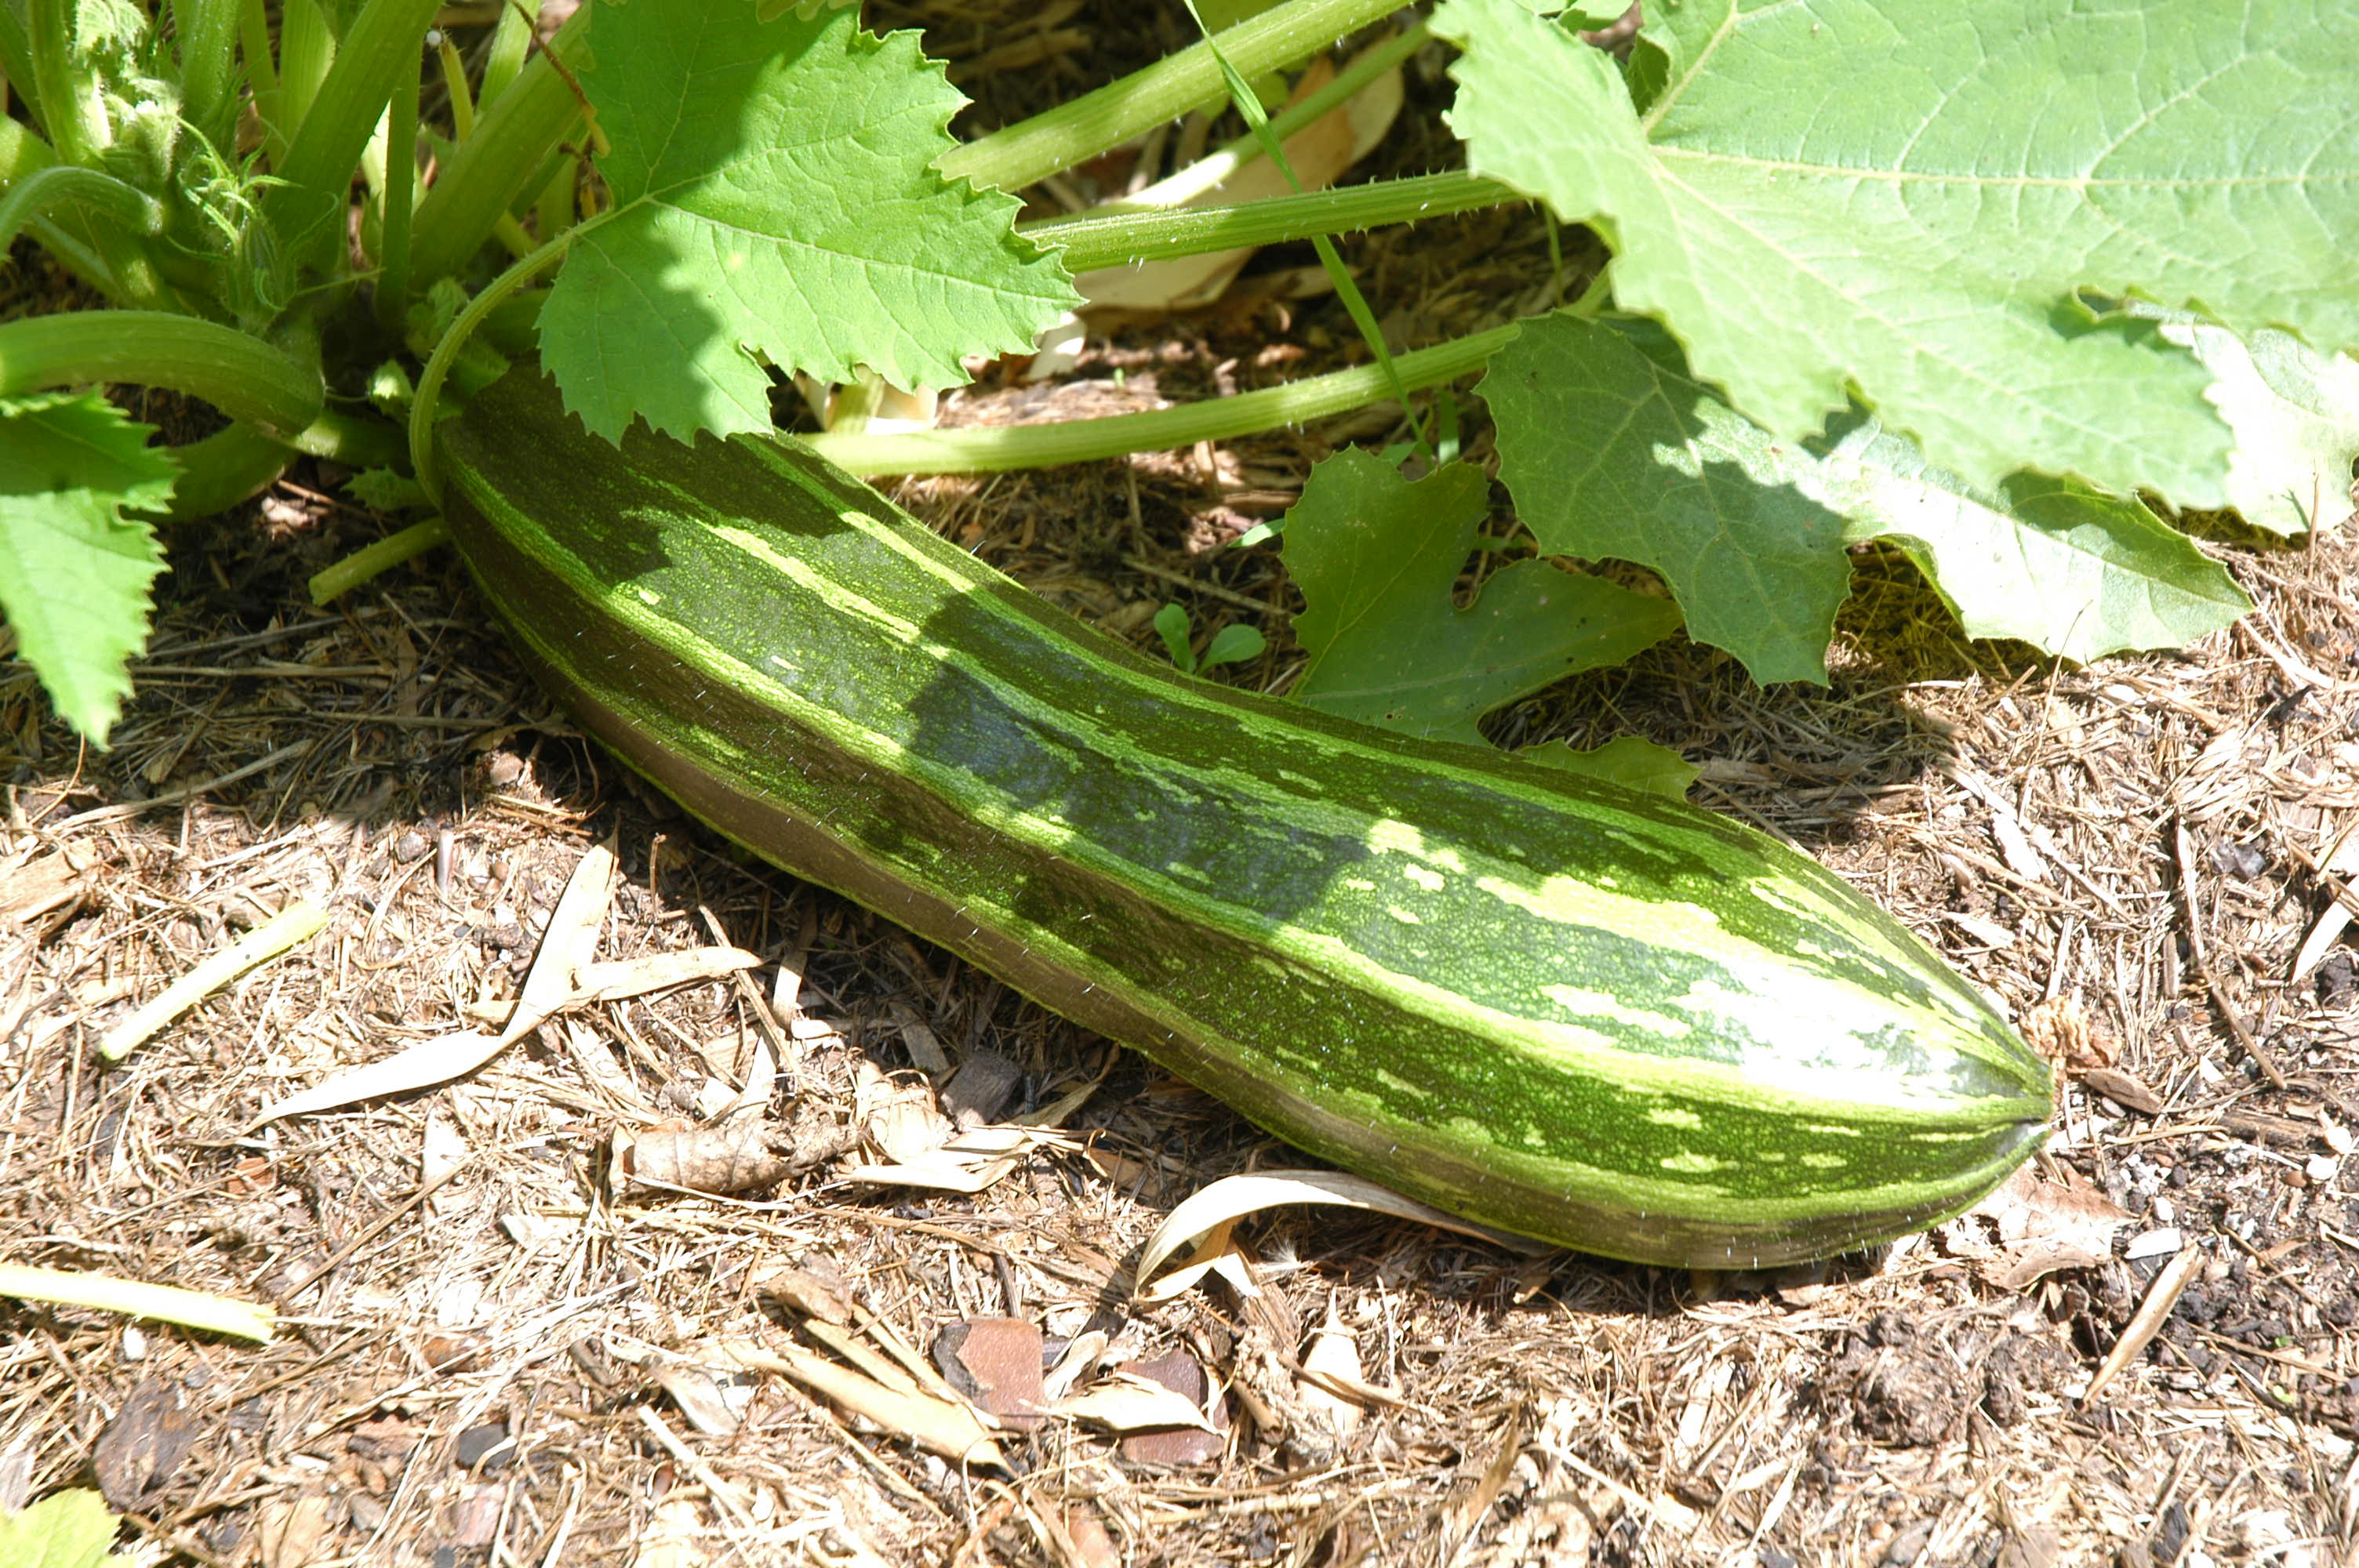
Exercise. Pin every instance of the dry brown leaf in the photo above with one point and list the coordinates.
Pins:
(292, 1530)
(655, 973)
(2124, 1089)
(850, 1347)
(697, 1397)
(572, 929)
(815, 1289)
(1087, 1543)
(1333, 1385)
(2031, 1226)
(2060, 1029)
(2341, 863)
(29, 891)
(926, 1053)
(968, 1164)
(613, 982)
(595, 1060)
(674, 1536)
(1056, 1111)
(1329, 1365)
(732, 1156)
(1080, 1360)
(901, 1119)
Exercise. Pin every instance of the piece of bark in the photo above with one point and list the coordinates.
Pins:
(982, 1089)
(50, 883)
(2122, 1090)
(816, 1289)
(143, 1446)
(995, 1362)
(1185, 1445)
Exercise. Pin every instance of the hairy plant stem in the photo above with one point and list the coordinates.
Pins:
(72, 116)
(243, 376)
(1213, 168)
(207, 50)
(79, 134)
(991, 450)
(446, 352)
(381, 49)
(516, 133)
(67, 185)
(1125, 239)
(340, 577)
(1015, 158)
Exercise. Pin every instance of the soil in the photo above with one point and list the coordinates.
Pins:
(497, 1346)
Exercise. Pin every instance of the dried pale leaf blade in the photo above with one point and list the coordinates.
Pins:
(967, 1163)
(1332, 1375)
(658, 971)
(1235, 1197)
(570, 942)
(423, 1066)
(565, 946)
(697, 1397)
(955, 1432)
(1127, 1403)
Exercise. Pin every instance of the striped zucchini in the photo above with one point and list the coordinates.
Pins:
(1596, 1018)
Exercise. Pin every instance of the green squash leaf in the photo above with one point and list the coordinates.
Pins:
(1902, 199)
(74, 569)
(775, 199)
(1377, 559)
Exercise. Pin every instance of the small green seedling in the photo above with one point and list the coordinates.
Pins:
(1230, 645)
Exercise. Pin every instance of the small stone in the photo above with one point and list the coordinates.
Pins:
(475, 1447)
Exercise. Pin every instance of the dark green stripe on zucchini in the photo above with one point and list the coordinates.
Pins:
(1594, 1017)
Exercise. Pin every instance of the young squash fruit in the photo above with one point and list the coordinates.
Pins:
(1569, 1011)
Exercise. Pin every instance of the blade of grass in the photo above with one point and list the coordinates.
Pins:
(1248, 104)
